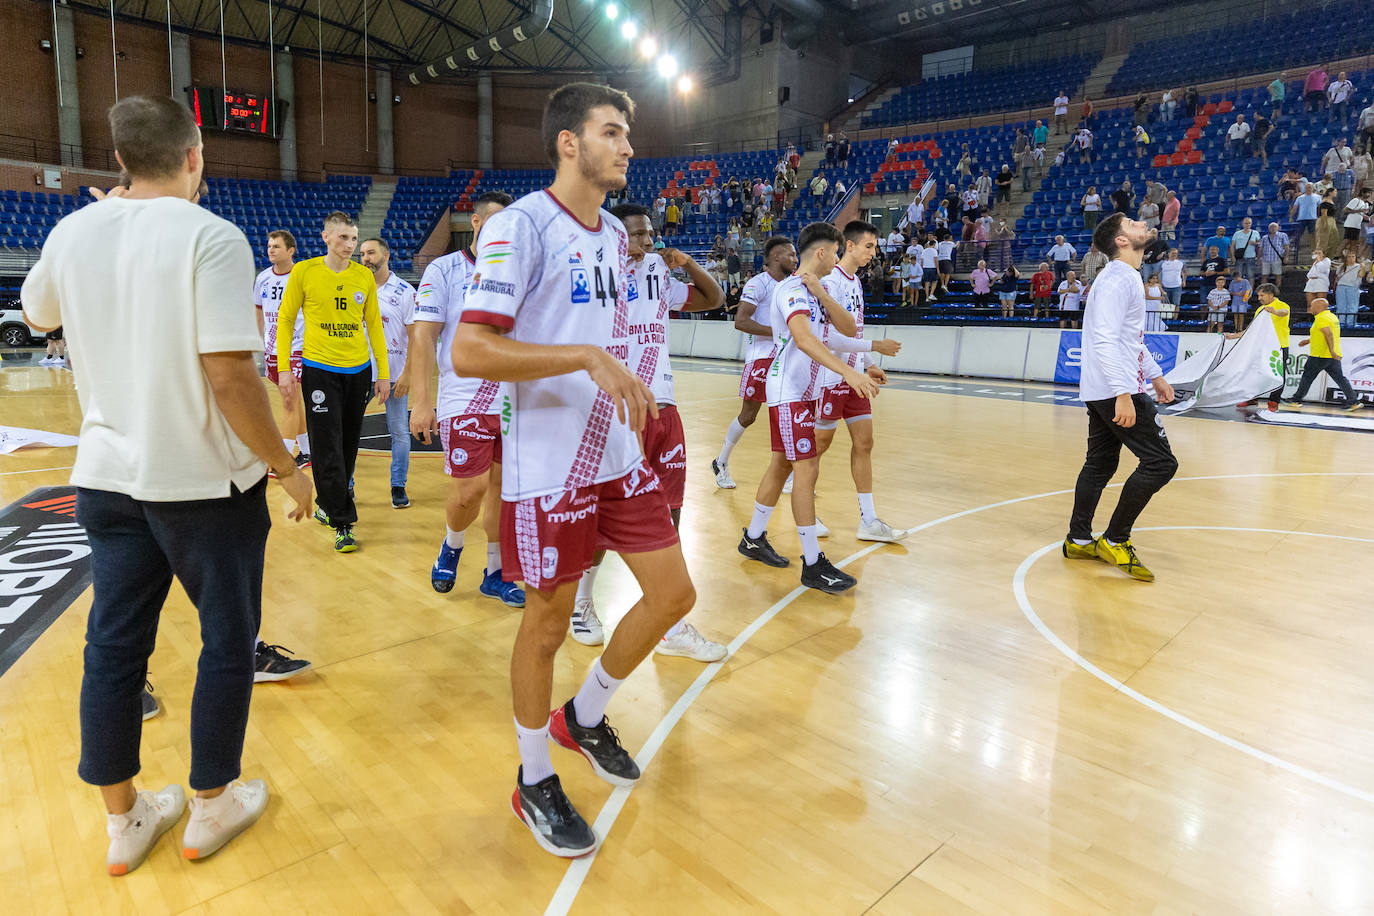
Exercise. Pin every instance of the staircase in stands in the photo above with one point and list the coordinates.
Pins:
(374, 209)
(1100, 77)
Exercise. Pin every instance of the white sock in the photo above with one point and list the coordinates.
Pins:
(454, 539)
(759, 523)
(811, 546)
(303, 440)
(584, 585)
(1081, 543)
(866, 510)
(597, 690)
(138, 812)
(789, 480)
(534, 753)
(731, 440)
(289, 444)
(493, 556)
(676, 629)
(1110, 541)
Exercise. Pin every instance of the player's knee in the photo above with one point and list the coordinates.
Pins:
(1163, 469)
(677, 599)
(546, 629)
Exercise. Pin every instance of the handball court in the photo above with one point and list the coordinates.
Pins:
(981, 726)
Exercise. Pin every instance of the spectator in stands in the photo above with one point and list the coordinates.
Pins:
(766, 224)
(715, 199)
(1365, 129)
(1042, 287)
(1239, 288)
(945, 248)
(1149, 214)
(893, 242)
(1245, 245)
(982, 280)
(1218, 301)
(1278, 91)
(1167, 105)
(1123, 198)
(733, 268)
(942, 216)
(1041, 135)
(1329, 234)
(1168, 219)
(1061, 255)
(1221, 241)
(718, 247)
(1154, 305)
(671, 218)
(732, 297)
(1338, 154)
(732, 233)
(1318, 277)
(1027, 163)
(1349, 275)
(1357, 210)
(1083, 141)
(793, 158)
(1039, 155)
(892, 147)
(984, 188)
(1191, 101)
(930, 274)
(1059, 157)
(1273, 247)
(915, 213)
(1343, 183)
(1259, 140)
(830, 149)
(818, 187)
(1087, 117)
(1142, 109)
(1061, 113)
(746, 223)
(1093, 262)
(1363, 168)
(1019, 145)
(1002, 236)
(1004, 186)
(1152, 259)
(1006, 290)
(969, 199)
(660, 212)
(1142, 142)
(965, 167)
(982, 233)
(1290, 184)
(746, 254)
(779, 198)
(703, 202)
(1070, 300)
(842, 152)
(1238, 136)
(911, 281)
(1338, 95)
(1214, 264)
(1314, 88)
(1173, 275)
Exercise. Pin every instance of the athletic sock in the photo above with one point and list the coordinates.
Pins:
(303, 440)
(584, 585)
(789, 480)
(759, 523)
(676, 628)
(731, 440)
(454, 539)
(1110, 541)
(1081, 543)
(590, 703)
(811, 546)
(534, 753)
(288, 444)
(866, 510)
(493, 556)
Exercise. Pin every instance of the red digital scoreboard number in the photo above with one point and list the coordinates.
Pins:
(233, 110)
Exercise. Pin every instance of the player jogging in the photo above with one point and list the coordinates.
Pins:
(468, 418)
(546, 314)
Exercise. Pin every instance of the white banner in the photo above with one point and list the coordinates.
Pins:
(12, 439)
(1229, 372)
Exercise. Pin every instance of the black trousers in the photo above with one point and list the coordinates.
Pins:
(1314, 366)
(1147, 441)
(334, 405)
(215, 548)
(1277, 394)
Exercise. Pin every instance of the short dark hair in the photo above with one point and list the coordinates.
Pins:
(1269, 288)
(152, 134)
(381, 243)
(816, 233)
(621, 211)
(569, 107)
(774, 242)
(287, 238)
(1104, 236)
(497, 198)
(339, 217)
(856, 229)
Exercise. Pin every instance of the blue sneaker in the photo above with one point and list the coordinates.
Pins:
(445, 569)
(493, 586)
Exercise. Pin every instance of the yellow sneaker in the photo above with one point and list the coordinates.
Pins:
(1075, 551)
(1123, 557)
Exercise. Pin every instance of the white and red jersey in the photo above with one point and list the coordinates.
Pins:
(443, 287)
(267, 292)
(848, 291)
(794, 376)
(545, 278)
(396, 302)
(651, 293)
(759, 292)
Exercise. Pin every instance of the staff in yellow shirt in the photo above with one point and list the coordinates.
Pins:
(1279, 311)
(1325, 355)
(338, 297)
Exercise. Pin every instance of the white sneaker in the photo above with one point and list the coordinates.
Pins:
(685, 641)
(821, 530)
(216, 821)
(722, 472)
(880, 531)
(585, 625)
(787, 487)
(133, 834)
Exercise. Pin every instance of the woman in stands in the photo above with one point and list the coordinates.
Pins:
(982, 280)
(1173, 274)
(1329, 235)
(1154, 305)
(1290, 183)
(1006, 291)
(1318, 277)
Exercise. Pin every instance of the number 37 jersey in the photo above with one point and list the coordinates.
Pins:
(544, 277)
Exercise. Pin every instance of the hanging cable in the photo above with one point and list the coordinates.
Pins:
(272, 65)
(319, 44)
(367, 125)
(57, 48)
(171, 72)
(223, 74)
(114, 52)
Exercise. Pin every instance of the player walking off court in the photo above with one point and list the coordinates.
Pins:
(267, 292)
(546, 314)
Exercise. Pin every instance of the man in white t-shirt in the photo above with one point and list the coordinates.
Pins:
(660, 212)
(752, 317)
(915, 213)
(802, 315)
(396, 302)
(547, 314)
(466, 418)
(944, 263)
(1237, 135)
(1338, 93)
(1357, 210)
(1061, 113)
(930, 274)
(176, 438)
(893, 242)
(267, 292)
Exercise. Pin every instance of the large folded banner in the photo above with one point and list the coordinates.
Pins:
(1225, 373)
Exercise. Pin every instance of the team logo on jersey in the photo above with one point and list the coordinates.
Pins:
(549, 564)
(496, 251)
(678, 452)
(358, 296)
(801, 417)
(828, 409)
(317, 397)
(600, 253)
(547, 502)
(631, 288)
(640, 480)
(803, 445)
(458, 456)
(581, 292)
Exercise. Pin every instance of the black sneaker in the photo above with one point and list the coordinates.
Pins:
(150, 707)
(399, 500)
(823, 575)
(555, 823)
(271, 663)
(759, 549)
(302, 460)
(344, 542)
(600, 745)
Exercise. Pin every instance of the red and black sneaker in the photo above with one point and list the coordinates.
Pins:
(599, 744)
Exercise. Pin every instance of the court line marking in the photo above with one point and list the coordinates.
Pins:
(578, 869)
(65, 467)
(1018, 583)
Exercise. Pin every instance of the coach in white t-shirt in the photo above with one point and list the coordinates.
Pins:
(155, 294)
(396, 303)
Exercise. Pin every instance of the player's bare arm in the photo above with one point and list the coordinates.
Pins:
(420, 365)
(840, 318)
(706, 292)
(808, 343)
(744, 320)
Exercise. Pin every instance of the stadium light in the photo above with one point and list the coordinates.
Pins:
(612, 11)
(684, 84)
(667, 66)
(648, 47)
(628, 29)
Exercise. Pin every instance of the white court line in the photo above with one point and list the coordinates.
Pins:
(578, 869)
(1018, 584)
(65, 467)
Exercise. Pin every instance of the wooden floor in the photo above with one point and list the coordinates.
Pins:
(919, 746)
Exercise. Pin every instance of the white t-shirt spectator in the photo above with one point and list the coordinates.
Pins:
(1339, 91)
(1337, 158)
(1092, 202)
(1064, 252)
(150, 283)
(946, 249)
(1070, 296)
(914, 250)
(1219, 300)
(1171, 273)
(1355, 212)
(1061, 105)
(928, 257)
(915, 213)
(894, 241)
(1238, 131)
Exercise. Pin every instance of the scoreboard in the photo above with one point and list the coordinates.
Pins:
(236, 111)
